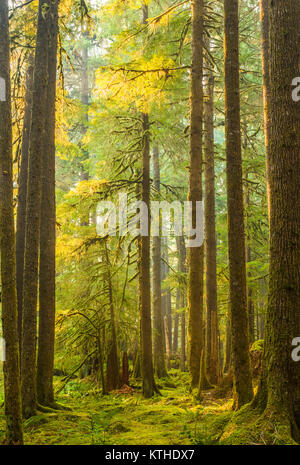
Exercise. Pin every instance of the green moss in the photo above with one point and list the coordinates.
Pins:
(175, 417)
(257, 345)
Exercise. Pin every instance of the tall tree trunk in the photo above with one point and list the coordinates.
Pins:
(176, 326)
(33, 210)
(22, 192)
(45, 358)
(12, 390)
(264, 17)
(158, 328)
(168, 348)
(210, 230)
(144, 276)
(182, 269)
(84, 98)
(146, 336)
(113, 371)
(250, 304)
(166, 292)
(243, 391)
(204, 383)
(283, 316)
(227, 358)
(195, 254)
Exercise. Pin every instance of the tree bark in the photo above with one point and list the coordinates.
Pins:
(243, 391)
(210, 230)
(33, 210)
(146, 330)
(166, 292)
(264, 18)
(144, 276)
(22, 193)
(12, 390)
(158, 328)
(113, 371)
(195, 254)
(182, 269)
(283, 315)
(45, 358)
(227, 358)
(176, 326)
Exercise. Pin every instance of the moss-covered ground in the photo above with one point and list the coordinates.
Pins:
(124, 417)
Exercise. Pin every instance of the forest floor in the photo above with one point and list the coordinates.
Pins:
(124, 417)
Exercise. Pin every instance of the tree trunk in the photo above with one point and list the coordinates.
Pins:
(112, 372)
(204, 383)
(158, 337)
(12, 390)
(250, 305)
(166, 292)
(243, 391)
(22, 192)
(33, 210)
(283, 316)
(125, 370)
(84, 97)
(210, 230)
(176, 325)
(182, 269)
(101, 364)
(144, 276)
(195, 254)
(146, 336)
(45, 358)
(264, 17)
(227, 358)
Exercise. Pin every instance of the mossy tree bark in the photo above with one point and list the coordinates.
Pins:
(243, 391)
(12, 390)
(158, 328)
(176, 326)
(180, 243)
(264, 18)
(113, 368)
(144, 274)
(227, 357)
(166, 299)
(45, 358)
(212, 364)
(22, 192)
(195, 254)
(33, 214)
(84, 98)
(281, 375)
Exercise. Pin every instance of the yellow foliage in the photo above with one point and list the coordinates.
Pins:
(143, 83)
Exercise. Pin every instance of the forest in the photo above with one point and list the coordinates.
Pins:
(150, 222)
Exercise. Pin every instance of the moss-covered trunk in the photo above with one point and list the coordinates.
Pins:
(45, 358)
(283, 316)
(212, 363)
(22, 193)
(264, 19)
(12, 392)
(33, 213)
(158, 328)
(195, 254)
(180, 243)
(243, 391)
